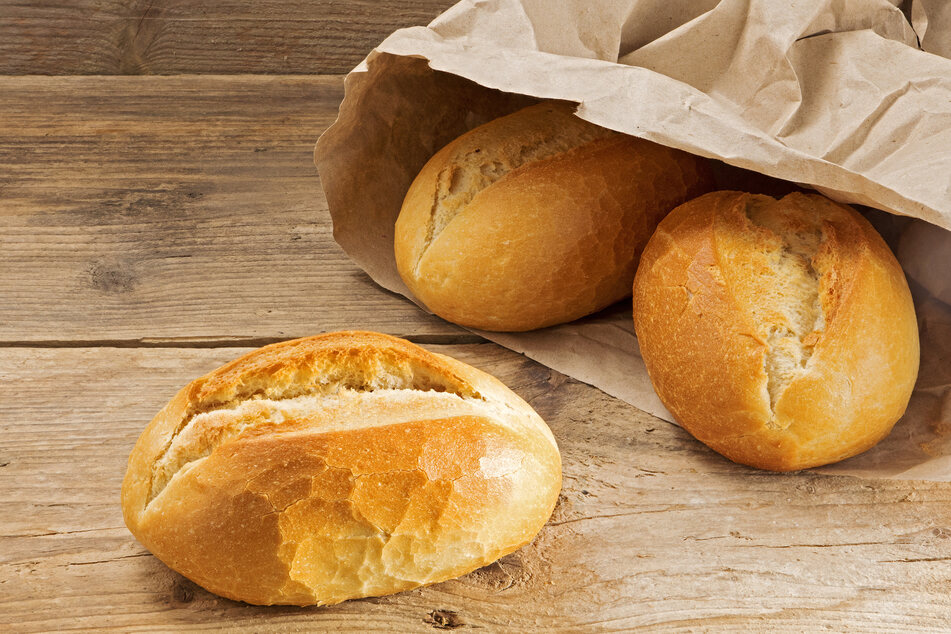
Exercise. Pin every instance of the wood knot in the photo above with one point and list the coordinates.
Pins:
(182, 594)
(499, 577)
(136, 42)
(444, 620)
(112, 277)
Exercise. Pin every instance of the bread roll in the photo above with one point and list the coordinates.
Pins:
(780, 333)
(339, 466)
(536, 218)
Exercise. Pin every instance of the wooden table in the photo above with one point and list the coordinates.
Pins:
(153, 227)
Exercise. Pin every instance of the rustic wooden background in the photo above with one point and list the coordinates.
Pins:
(153, 227)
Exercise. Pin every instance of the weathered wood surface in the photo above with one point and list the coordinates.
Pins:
(142, 218)
(181, 209)
(138, 37)
(650, 530)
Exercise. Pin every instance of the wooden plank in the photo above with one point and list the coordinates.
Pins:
(136, 37)
(175, 209)
(651, 529)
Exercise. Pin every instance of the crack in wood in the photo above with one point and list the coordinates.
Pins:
(842, 545)
(222, 342)
(51, 533)
(107, 561)
(603, 517)
(138, 27)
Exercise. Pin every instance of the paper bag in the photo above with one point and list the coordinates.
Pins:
(834, 95)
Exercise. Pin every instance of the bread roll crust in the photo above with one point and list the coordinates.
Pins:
(780, 333)
(339, 466)
(536, 218)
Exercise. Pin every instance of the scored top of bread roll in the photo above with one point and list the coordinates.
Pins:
(339, 466)
(781, 333)
(536, 218)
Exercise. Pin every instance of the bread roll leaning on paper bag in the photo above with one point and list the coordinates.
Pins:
(873, 128)
(780, 333)
(536, 218)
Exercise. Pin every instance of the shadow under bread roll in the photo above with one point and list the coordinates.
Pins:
(536, 218)
(781, 333)
(346, 465)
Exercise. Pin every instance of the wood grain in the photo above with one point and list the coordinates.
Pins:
(651, 529)
(151, 228)
(174, 210)
(160, 37)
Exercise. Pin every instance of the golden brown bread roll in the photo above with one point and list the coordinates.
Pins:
(345, 465)
(780, 333)
(536, 218)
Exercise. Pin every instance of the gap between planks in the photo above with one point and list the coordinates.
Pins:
(224, 342)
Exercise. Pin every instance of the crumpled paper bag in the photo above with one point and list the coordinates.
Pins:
(833, 95)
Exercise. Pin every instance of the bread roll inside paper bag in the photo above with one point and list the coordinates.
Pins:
(833, 95)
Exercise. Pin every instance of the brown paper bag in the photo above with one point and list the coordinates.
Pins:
(834, 95)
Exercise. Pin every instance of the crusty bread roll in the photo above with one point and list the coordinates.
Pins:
(780, 333)
(536, 218)
(339, 466)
